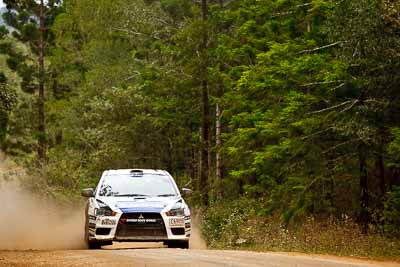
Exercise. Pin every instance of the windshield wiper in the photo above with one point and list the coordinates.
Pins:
(166, 195)
(131, 195)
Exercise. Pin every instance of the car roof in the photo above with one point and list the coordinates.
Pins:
(129, 171)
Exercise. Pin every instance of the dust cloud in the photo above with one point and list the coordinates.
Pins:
(29, 221)
(196, 240)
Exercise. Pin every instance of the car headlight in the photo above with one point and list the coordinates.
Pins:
(176, 210)
(105, 210)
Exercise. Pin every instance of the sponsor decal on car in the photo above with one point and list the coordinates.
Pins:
(108, 222)
(141, 219)
(176, 221)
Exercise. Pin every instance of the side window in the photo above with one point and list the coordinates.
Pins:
(95, 190)
(98, 184)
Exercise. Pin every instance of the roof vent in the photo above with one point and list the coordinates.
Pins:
(136, 173)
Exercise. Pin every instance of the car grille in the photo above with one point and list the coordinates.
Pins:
(178, 231)
(103, 231)
(141, 226)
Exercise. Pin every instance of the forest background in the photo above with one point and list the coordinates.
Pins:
(282, 115)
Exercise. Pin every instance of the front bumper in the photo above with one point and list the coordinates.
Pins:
(139, 226)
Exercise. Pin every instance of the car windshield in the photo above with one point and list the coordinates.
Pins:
(146, 185)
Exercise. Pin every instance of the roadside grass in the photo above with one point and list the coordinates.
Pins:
(326, 236)
(312, 235)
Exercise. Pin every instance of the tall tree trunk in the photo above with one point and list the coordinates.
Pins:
(41, 100)
(381, 168)
(193, 168)
(218, 127)
(380, 159)
(170, 157)
(364, 199)
(205, 145)
(206, 109)
(200, 161)
(218, 143)
(330, 181)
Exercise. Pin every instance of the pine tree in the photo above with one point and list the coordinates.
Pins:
(31, 19)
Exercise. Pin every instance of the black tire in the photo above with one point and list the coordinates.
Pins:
(97, 244)
(86, 234)
(94, 245)
(107, 243)
(183, 244)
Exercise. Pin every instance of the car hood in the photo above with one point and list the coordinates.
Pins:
(132, 204)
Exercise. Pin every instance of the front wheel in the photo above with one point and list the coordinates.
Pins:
(94, 245)
(98, 244)
(183, 244)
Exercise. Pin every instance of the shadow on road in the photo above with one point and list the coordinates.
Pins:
(134, 245)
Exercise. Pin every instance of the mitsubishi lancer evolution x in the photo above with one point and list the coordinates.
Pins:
(136, 205)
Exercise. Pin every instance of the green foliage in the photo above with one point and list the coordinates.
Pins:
(7, 102)
(3, 78)
(391, 212)
(29, 32)
(272, 142)
(177, 9)
(12, 63)
(222, 222)
(394, 147)
(3, 31)
(5, 47)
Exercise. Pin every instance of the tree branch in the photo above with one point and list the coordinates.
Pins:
(281, 14)
(333, 107)
(135, 32)
(284, 13)
(317, 83)
(337, 87)
(349, 107)
(320, 48)
(316, 133)
(341, 144)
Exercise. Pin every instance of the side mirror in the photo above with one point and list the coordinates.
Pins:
(187, 191)
(87, 192)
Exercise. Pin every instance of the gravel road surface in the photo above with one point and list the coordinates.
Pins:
(152, 255)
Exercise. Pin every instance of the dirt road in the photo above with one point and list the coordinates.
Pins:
(151, 255)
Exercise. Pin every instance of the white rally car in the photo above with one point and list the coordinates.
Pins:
(136, 205)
